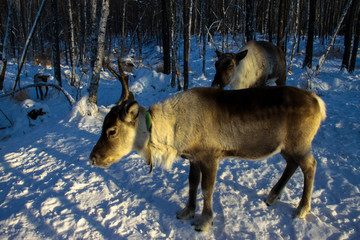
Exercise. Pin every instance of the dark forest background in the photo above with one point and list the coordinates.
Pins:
(70, 28)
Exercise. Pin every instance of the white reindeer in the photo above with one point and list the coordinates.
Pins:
(258, 64)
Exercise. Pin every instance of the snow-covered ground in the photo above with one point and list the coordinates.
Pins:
(48, 189)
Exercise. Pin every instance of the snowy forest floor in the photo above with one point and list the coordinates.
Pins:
(48, 189)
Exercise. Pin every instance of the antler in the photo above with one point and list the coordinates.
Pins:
(124, 80)
(209, 34)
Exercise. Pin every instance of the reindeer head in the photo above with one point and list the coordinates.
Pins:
(39, 77)
(225, 67)
(120, 128)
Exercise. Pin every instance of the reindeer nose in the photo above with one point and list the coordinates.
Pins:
(216, 85)
(92, 158)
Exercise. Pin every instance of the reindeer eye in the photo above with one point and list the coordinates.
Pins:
(229, 64)
(111, 132)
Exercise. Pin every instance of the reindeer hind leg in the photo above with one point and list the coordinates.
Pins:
(37, 94)
(308, 167)
(290, 169)
(46, 90)
(41, 93)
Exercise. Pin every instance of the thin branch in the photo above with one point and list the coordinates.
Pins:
(67, 95)
(11, 124)
(17, 80)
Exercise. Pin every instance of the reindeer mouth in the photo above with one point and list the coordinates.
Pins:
(98, 162)
(216, 85)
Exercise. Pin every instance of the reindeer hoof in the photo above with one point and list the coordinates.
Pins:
(272, 199)
(185, 214)
(203, 223)
(301, 212)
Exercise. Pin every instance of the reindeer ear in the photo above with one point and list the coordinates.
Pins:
(218, 53)
(132, 111)
(240, 56)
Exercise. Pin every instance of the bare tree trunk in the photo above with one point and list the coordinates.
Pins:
(17, 80)
(223, 29)
(270, 21)
(166, 35)
(203, 32)
(55, 43)
(187, 11)
(92, 36)
(295, 36)
(281, 25)
(123, 29)
(174, 74)
(72, 44)
(140, 12)
(323, 57)
(2, 73)
(175, 42)
(94, 84)
(5, 47)
(266, 18)
(355, 44)
(249, 20)
(82, 10)
(310, 41)
(349, 28)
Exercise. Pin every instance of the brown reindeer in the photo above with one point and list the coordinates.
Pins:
(40, 78)
(258, 64)
(206, 125)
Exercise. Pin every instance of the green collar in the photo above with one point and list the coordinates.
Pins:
(148, 121)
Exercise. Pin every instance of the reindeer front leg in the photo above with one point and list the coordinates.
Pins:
(41, 93)
(208, 171)
(37, 94)
(47, 89)
(194, 179)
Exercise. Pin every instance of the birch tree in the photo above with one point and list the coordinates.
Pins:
(295, 35)
(187, 12)
(223, 29)
(92, 36)
(323, 57)
(55, 42)
(95, 76)
(123, 29)
(173, 34)
(203, 32)
(166, 35)
(175, 8)
(140, 35)
(281, 25)
(266, 18)
(72, 44)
